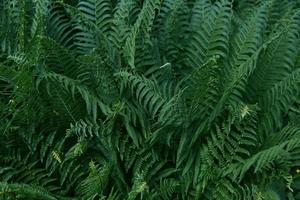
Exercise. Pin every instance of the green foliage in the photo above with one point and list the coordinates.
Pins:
(153, 99)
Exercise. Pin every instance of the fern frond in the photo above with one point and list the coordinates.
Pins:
(145, 91)
(84, 128)
(120, 27)
(22, 191)
(60, 27)
(282, 97)
(72, 86)
(166, 188)
(264, 158)
(143, 23)
(211, 39)
(99, 12)
(94, 184)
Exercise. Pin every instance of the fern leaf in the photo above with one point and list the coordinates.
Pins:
(144, 24)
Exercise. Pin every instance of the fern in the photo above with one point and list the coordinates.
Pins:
(19, 191)
(212, 38)
(143, 23)
(94, 184)
(146, 92)
(72, 86)
(154, 99)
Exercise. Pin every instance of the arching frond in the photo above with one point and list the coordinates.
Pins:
(142, 25)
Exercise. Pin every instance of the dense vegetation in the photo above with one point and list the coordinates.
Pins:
(153, 99)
